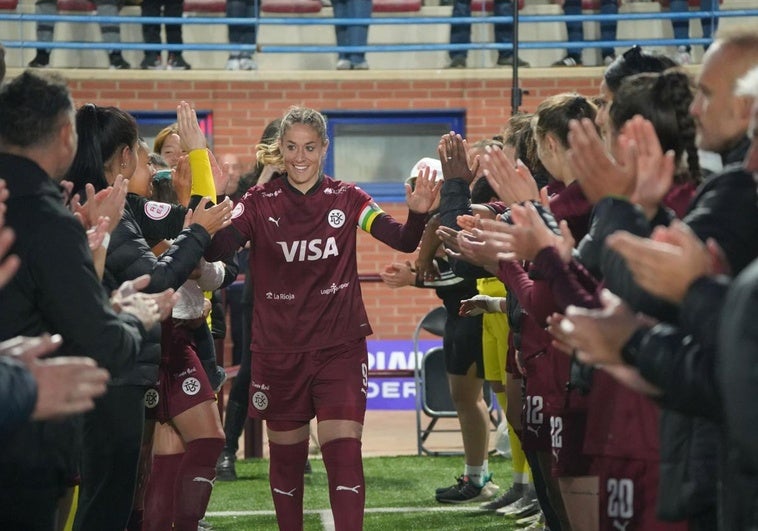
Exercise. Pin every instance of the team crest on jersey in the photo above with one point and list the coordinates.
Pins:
(336, 218)
(151, 398)
(191, 386)
(259, 400)
(155, 210)
(238, 210)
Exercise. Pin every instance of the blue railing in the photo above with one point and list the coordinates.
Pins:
(326, 21)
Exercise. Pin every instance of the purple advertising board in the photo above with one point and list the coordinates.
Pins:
(388, 355)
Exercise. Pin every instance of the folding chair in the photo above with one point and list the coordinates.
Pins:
(432, 387)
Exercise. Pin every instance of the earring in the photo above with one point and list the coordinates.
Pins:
(123, 164)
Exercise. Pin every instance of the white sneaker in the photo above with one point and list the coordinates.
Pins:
(683, 57)
(247, 63)
(233, 63)
(363, 65)
(344, 64)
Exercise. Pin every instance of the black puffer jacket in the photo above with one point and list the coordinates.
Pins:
(129, 256)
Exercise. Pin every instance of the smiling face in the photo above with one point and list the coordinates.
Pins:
(171, 150)
(303, 151)
(141, 182)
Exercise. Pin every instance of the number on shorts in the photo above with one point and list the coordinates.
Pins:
(534, 410)
(620, 498)
(364, 372)
(556, 430)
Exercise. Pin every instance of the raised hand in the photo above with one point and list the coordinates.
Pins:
(10, 264)
(596, 336)
(65, 385)
(398, 275)
(108, 202)
(479, 304)
(214, 218)
(181, 178)
(192, 137)
(655, 169)
(600, 174)
(667, 265)
(453, 154)
(424, 194)
(511, 180)
(220, 177)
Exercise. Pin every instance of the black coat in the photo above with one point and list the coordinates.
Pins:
(18, 395)
(130, 256)
(56, 290)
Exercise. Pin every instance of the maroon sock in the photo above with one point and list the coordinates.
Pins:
(286, 468)
(194, 482)
(347, 492)
(159, 494)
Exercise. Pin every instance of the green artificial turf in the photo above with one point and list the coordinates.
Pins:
(399, 496)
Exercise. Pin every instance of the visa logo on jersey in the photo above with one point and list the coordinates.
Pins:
(309, 251)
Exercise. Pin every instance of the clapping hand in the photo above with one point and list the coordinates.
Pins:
(424, 194)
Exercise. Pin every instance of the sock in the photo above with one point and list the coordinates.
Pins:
(159, 495)
(475, 474)
(347, 489)
(286, 468)
(194, 482)
(521, 472)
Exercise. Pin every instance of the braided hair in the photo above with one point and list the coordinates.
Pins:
(664, 99)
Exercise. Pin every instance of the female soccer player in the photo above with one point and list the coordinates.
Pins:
(309, 322)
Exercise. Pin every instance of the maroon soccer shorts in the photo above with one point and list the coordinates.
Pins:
(628, 492)
(567, 439)
(182, 382)
(330, 384)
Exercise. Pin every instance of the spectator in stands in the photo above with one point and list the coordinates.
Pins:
(151, 34)
(461, 33)
(309, 336)
(64, 295)
(576, 31)
(682, 26)
(352, 34)
(242, 34)
(111, 32)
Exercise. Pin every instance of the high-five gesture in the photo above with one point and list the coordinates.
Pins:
(453, 153)
(214, 218)
(424, 194)
(189, 128)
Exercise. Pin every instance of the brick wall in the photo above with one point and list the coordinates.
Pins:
(242, 107)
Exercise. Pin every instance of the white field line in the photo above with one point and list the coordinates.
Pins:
(447, 508)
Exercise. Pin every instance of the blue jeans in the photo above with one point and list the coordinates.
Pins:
(355, 35)
(242, 34)
(576, 31)
(461, 33)
(682, 26)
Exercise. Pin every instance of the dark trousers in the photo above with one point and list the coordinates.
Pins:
(151, 33)
(30, 506)
(112, 439)
(576, 31)
(461, 33)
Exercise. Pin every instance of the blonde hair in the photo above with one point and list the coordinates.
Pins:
(164, 133)
(270, 153)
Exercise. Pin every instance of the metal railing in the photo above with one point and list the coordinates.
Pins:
(377, 21)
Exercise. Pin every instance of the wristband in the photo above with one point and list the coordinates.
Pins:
(106, 241)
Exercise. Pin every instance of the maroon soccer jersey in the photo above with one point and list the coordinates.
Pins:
(303, 260)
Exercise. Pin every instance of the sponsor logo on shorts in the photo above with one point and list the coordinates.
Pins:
(238, 210)
(191, 386)
(155, 210)
(336, 218)
(201, 479)
(290, 493)
(151, 398)
(259, 400)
